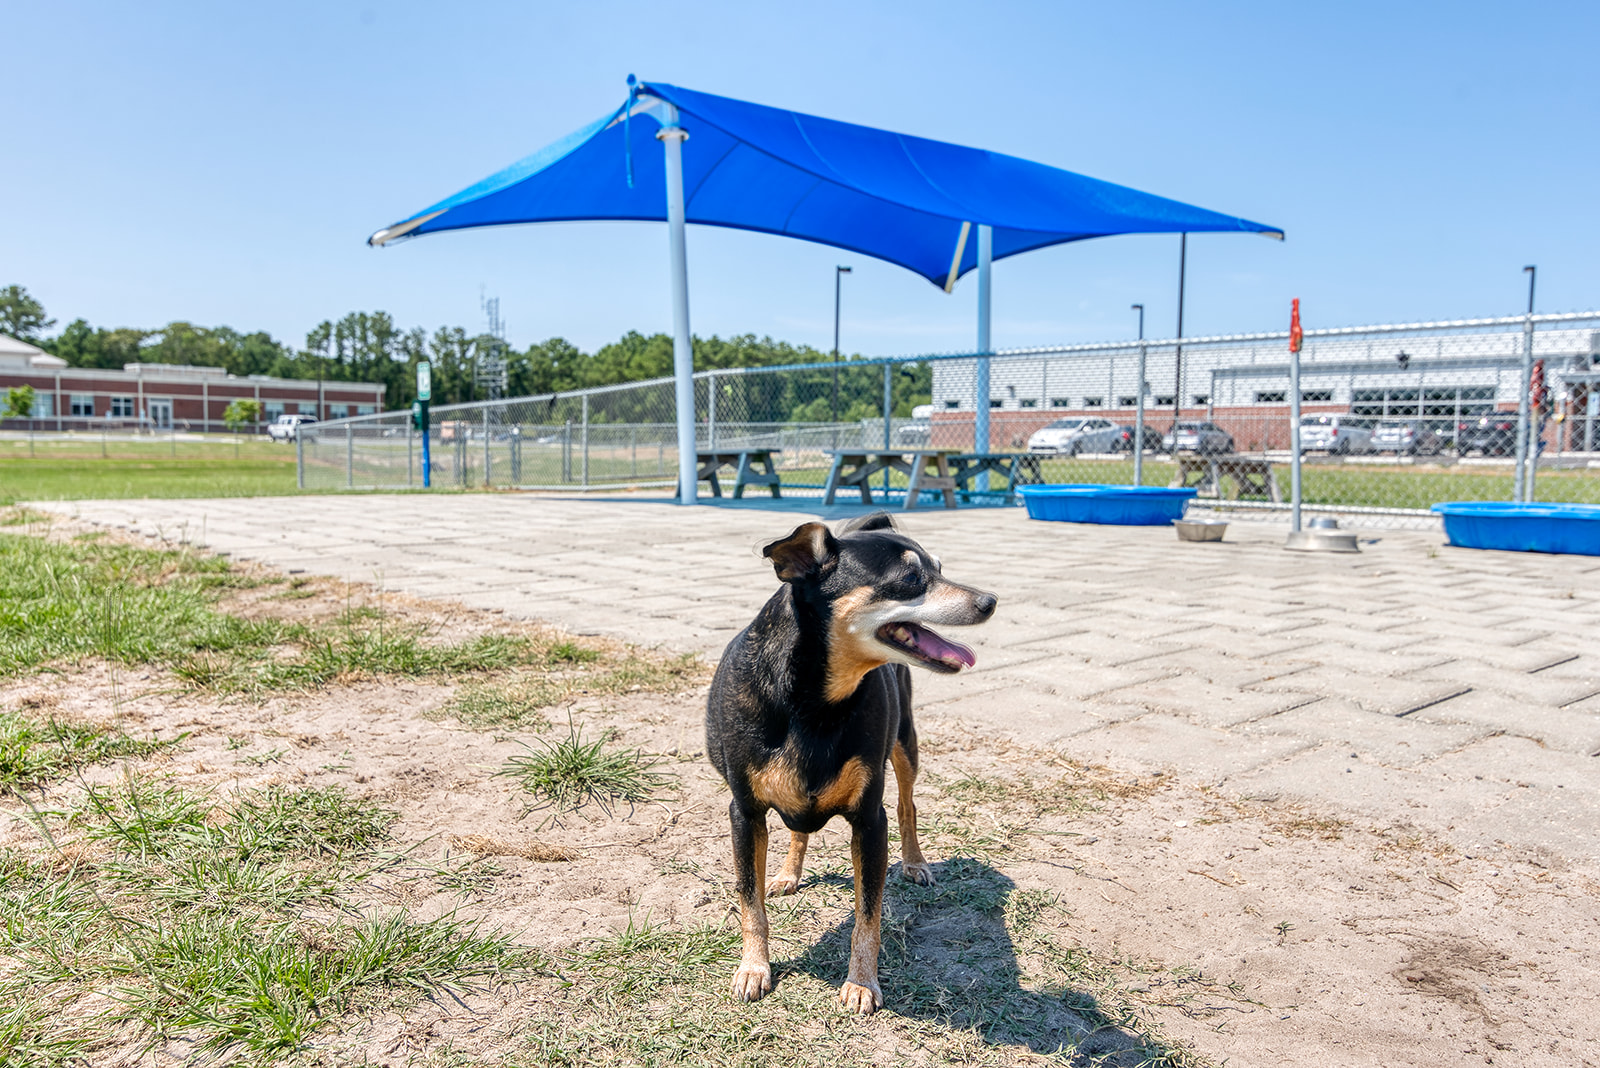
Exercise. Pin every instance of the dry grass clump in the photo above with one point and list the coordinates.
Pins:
(485, 846)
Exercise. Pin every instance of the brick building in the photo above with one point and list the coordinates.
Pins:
(154, 396)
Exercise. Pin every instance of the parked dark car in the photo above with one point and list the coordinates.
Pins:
(1197, 437)
(1492, 435)
(1410, 437)
(1121, 438)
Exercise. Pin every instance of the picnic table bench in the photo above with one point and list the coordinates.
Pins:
(1252, 477)
(709, 462)
(1019, 469)
(853, 467)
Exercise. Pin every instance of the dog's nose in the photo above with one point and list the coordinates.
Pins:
(985, 604)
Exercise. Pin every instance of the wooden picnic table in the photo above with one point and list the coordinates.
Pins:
(853, 467)
(1019, 469)
(1252, 477)
(743, 461)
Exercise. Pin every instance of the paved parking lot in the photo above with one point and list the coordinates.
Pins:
(1453, 688)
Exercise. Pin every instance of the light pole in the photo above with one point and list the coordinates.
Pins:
(1138, 416)
(838, 273)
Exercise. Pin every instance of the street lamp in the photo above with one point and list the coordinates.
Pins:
(838, 272)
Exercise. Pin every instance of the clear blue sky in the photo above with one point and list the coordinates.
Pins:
(224, 163)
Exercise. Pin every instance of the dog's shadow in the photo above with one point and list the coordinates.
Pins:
(948, 957)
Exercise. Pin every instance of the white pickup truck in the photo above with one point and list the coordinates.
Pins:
(285, 427)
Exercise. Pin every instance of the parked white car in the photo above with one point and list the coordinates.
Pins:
(1067, 436)
(285, 427)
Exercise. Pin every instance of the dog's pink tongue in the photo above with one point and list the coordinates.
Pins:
(937, 648)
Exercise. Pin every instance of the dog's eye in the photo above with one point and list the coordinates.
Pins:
(914, 579)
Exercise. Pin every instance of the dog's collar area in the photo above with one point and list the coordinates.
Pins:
(928, 648)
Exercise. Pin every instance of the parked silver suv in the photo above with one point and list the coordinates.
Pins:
(1336, 432)
(1198, 437)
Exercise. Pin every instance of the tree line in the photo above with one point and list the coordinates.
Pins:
(372, 347)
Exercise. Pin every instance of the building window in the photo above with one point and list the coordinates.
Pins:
(122, 407)
(44, 405)
(1029, 402)
(1128, 402)
(1060, 402)
(1271, 396)
(952, 404)
(1163, 402)
(996, 402)
(338, 411)
(1314, 396)
(274, 409)
(366, 409)
(83, 405)
(1202, 399)
(1094, 402)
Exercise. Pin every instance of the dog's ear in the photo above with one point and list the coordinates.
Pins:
(808, 552)
(875, 521)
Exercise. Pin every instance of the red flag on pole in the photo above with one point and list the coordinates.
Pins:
(1296, 335)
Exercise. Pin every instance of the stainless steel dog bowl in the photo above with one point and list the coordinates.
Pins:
(1199, 530)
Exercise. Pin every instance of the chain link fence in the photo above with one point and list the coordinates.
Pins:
(1394, 419)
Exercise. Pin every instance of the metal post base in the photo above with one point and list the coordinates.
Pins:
(1321, 541)
(1323, 536)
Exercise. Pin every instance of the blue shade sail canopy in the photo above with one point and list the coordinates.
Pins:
(908, 200)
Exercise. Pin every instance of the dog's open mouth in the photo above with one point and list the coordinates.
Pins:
(934, 652)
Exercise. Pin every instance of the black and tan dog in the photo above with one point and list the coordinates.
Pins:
(809, 704)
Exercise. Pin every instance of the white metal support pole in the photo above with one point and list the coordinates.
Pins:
(980, 436)
(1519, 489)
(1138, 414)
(1294, 439)
(672, 137)
(1526, 449)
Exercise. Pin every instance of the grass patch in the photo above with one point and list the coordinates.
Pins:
(571, 772)
(64, 601)
(208, 923)
(559, 671)
(33, 752)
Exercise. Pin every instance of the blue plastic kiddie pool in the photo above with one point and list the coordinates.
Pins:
(1526, 528)
(1130, 506)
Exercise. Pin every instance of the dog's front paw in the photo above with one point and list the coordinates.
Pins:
(783, 886)
(919, 873)
(752, 982)
(863, 999)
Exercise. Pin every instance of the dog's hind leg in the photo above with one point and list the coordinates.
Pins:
(788, 880)
(869, 850)
(753, 980)
(913, 865)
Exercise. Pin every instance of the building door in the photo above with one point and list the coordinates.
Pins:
(160, 414)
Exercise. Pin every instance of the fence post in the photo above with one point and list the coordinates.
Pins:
(1535, 423)
(349, 456)
(1294, 438)
(411, 446)
(1520, 489)
(1138, 419)
(299, 459)
(711, 411)
(586, 439)
(566, 453)
(888, 409)
(487, 469)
